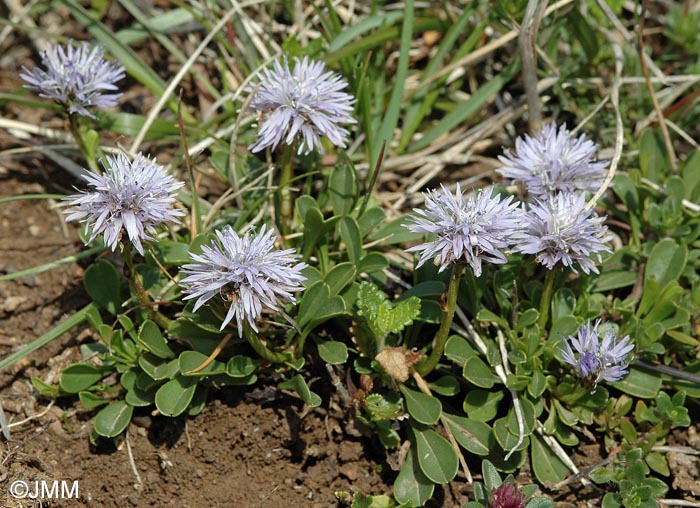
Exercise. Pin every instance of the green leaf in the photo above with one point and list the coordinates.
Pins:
(478, 373)
(563, 303)
(240, 366)
(174, 396)
(548, 468)
(342, 187)
(473, 435)
(666, 262)
(583, 33)
(422, 407)
(339, 277)
(540, 502)
(333, 352)
(381, 316)
(639, 383)
(490, 474)
(350, 234)
(157, 368)
(298, 384)
(373, 262)
(482, 405)
(317, 305)
(436, 457)
(191, 360)
(113, 419)
(101, 282)
(90, 400)
(152, 339)
(80, 376)
(614, 279)
(652, 155)
(458, 350)
(411, 485)
(446, 386)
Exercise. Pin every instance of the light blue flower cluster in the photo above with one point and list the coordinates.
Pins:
(130, 196)
(246, 272)
(77, 78)
(301, 104)
(478, 228)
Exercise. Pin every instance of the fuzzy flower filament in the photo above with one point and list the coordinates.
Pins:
(246, 273)
(506, 495)
(473, 229)
(594, 360)
(559, 230)
(554, 161)
(303, 103)
(77, 78)
(130, 196)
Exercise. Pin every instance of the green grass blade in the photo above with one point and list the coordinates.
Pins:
(391, 117)
(53, 264)
(164, 40)
(49, 336)
(28, 197)
(467, 108)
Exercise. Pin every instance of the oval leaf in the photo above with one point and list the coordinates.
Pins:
(80, 376)
(113, 419)
(333, 352)
(436, 457)
(423, 408)
(411, 485)
(298, 384)
(174, 396)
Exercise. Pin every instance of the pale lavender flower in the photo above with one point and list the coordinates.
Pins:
(553, 161)
(246, 272)
(77, 78)
(133, 196)
(595, 360)
(304, 103)
(558, 229)
(472, 229)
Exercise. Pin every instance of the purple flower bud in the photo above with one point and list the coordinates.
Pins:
(77, 78)
(304, 103)
(593, 360)
(246, 273)
(135, 197)
(506, 495)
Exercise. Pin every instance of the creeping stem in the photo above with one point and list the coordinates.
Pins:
(448, 313)
(546, 300)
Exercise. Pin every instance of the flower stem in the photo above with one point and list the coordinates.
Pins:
(89, 155)
(261, 349)
(136, 284)
(448, 313)
(546, 299)
(285, 193)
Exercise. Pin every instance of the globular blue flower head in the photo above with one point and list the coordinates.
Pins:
(473, 229)
(246, 272)
(302, 103)
(558, 230)
(133, 196)
(554, 161)
(76, 77)
(594, 360)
